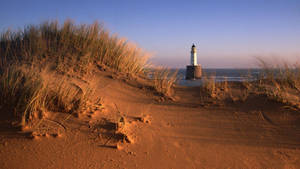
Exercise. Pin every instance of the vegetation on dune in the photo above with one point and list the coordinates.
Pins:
(70, 47)
(213, 91)
(27, 89)
(164, 79)
(35, 62)
(212, 88)
(280, 82)
(19, 93)
(26, 94)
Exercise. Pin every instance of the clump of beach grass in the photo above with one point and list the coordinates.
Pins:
(66, 49)
(25, 95)
(212, 89)
(280, 82)
(70, 48)
(164, 80)
(19, 93)
(219, 92)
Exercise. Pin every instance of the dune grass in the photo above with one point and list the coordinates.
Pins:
(70, 48)
(35, 64)
(26, 94)
(280, 82)
(19, 93)
(163, 81)
(212, 89)
(26, 91)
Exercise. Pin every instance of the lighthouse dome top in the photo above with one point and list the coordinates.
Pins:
(193, 49)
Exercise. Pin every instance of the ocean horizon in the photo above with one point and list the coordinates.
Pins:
(220, 75)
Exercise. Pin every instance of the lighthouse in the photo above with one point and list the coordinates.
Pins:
(194, 55)
(193, 71)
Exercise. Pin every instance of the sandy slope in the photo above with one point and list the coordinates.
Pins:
(181, 134)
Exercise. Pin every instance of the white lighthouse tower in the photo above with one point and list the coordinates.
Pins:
(194, 55)
(193, 71)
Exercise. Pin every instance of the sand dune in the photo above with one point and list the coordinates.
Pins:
(132, 128)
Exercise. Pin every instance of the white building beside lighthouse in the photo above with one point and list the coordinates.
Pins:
(194, 55)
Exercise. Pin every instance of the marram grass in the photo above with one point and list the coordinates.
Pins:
(26, 93)
(70, 47)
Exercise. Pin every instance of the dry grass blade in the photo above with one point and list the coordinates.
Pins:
(280, 82)
(65, 49)
(70, 48)
(164, 79)
(26, 95)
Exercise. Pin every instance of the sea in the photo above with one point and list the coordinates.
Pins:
(219, 75)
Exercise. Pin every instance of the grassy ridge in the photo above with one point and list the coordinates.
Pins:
(70, 47)
(32, 60)
(278, 82)
(26, 94)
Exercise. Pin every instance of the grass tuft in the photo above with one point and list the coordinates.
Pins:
(19, 93)
(27, 91)
(26, 94)
(280, 82)
(70, 48)
(164, 79)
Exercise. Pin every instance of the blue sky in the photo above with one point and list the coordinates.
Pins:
(227, 33)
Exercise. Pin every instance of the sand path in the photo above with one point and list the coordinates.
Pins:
(180, 135)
